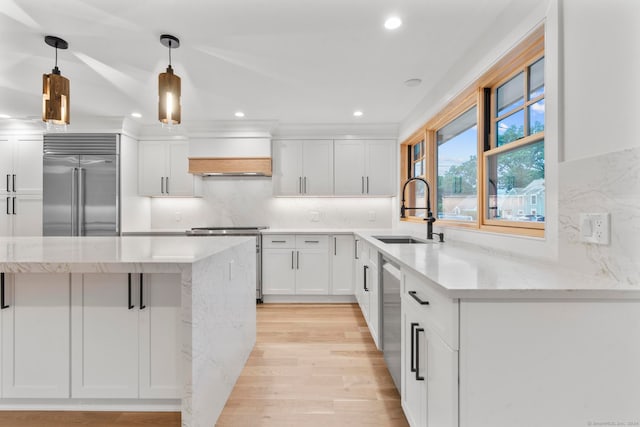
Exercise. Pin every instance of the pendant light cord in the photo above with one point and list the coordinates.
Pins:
(169, 53)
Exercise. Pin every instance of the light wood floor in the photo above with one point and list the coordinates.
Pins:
(313, 365)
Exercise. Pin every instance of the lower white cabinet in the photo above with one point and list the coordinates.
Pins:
(342, 265)
(35, 336)
(295, 265)
(429, 366)
(21, 215)
(367, 287)
(125, 336)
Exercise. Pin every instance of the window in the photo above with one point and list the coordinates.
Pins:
(484, 151)
(457, 165)
(514, 153)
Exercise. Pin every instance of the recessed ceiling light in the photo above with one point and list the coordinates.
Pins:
(413, 82)
(136, 115)
(5, 116)
(239, 114)
(357, 113)
(392, 23)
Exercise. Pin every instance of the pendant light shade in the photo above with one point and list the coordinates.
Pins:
(55, 90)
(169, 108)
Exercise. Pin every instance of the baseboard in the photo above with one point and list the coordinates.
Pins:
(125, 405)
(311, 299)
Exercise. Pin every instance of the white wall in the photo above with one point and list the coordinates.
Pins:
(602, 76)
(244, 201)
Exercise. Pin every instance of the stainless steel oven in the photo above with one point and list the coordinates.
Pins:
(238, 231)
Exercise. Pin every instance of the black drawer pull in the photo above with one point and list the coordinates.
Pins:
(366, 267)
(2, 304)
(142, 306)
(415, 297)
(312, 241)
(130, 305)
(278, 241)
(413, 347)
(418, 377)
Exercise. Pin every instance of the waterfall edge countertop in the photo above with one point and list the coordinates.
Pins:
(86, 254)
(469, 271)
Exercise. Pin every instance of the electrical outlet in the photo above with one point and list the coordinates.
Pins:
(178, 217)
(595, 228)
(372, 216)
(314, 216)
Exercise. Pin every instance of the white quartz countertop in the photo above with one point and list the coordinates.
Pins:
(468, 271)
(307, 231)
(112, 250)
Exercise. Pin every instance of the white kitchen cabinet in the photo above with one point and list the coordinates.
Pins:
(160, 337)
(295, 265)
(163, 170)
(126, 336)
(364, 167)
(104, 331)
(367, 288)
(303, 168)
(361, 288)
(21, 215)
(429, 366)
(342, 265)
(21, 165)
(35, 336)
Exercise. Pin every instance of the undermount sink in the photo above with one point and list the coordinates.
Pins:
(407, 240)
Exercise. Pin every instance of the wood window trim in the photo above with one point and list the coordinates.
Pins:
(527, 52)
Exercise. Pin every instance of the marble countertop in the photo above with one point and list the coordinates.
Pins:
(61, 251)
(468, 271)
(307, 231)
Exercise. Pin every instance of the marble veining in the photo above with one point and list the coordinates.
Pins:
(605, 183)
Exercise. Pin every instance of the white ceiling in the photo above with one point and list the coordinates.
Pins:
(294, 61)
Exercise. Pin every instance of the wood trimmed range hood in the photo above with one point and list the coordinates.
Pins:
(230, 156)
(230, 166)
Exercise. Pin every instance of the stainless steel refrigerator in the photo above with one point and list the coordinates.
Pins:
(81, 187)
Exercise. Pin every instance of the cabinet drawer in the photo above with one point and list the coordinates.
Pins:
(441, 313)
(316, 241)
(278, 241)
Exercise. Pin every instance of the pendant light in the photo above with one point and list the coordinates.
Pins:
(55, 91)
(169, 108)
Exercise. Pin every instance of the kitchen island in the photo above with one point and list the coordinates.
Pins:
(126, 323)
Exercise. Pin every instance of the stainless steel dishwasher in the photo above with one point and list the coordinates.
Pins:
(391, 318)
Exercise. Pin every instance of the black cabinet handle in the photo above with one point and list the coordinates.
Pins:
(14, 205)
(335, 246)
(278, 241)
(312, 241)
(130, 304)
(418, 377)
(14, 183)
(292, 260)
(2, 304)
(413, 348)
(8, 188)
(166, 184)
(142, 306)
(8, 198)
(297, 260)
(415, 297)
(366, 267)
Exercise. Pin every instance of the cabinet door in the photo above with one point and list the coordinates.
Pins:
(104, 337)
(180, 181)
(278, 271)
(349, 170)
(152, 168)
(317, 168)
(441, 373)
(362, 287)
(160, 337)
(312, 272)
(414, 391)
(342, 265)
(28, 166)
(27, 220)
(380, 160)
(6, 165)
(35, 336)
(374, 302)
(6, 217)
(287, 168)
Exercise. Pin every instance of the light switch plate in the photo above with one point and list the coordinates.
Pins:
(595, 228)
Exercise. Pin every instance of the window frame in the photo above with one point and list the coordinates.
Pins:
(520, 58)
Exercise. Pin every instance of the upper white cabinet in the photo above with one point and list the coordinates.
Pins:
(35, 336)
(21, 185)
(21, 165)
(163, 170)
(303, 168)
(365, 167)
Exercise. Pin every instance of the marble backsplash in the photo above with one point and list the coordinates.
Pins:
(604, 183)
(241, 201)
